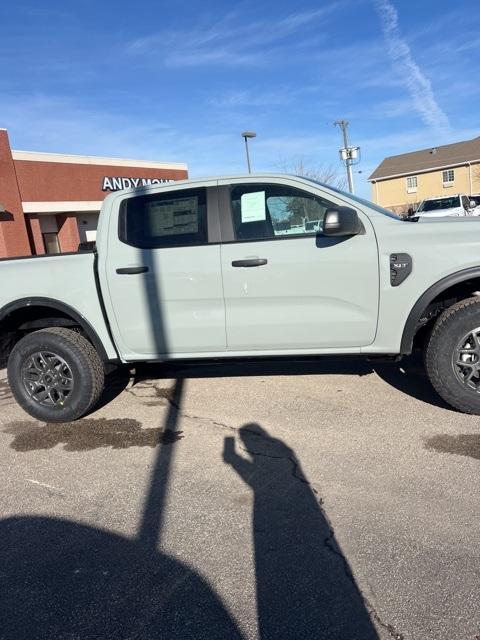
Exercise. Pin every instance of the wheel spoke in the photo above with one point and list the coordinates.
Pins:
(42, 395)
(56, 364)
(44, 360)
(33, 374)
(469, 375)
(54, 396)
(462, 363)
(38, 363)
(61, 394)
(468, 351)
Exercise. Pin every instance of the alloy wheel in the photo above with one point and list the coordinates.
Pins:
(47, 379)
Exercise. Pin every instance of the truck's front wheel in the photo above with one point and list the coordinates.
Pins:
(55, 374)
(453, 356)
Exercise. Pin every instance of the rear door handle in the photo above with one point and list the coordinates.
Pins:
(132, 270)
(251, 262)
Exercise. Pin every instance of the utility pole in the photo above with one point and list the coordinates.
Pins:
(348, 154)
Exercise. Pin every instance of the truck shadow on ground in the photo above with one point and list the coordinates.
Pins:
(62, 579)
(407, 375)
(115, 383)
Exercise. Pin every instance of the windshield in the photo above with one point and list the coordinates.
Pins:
(440, 203)
(366, 203)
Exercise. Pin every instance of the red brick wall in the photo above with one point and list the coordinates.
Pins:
(13, 231)
(68, 236)
(35, 232)
(56, 181)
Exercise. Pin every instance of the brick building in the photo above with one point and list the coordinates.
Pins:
(49, 202)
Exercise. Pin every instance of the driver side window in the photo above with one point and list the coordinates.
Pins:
(269, 211)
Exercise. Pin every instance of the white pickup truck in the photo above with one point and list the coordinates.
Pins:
(257, 265)
(456, 205)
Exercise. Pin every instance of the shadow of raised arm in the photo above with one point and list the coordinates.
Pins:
(242, 466)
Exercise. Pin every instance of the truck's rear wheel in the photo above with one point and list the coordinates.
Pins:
(452, 356)
(55, 374)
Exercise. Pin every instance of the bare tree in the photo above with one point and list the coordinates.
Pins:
(300, 210)
(327, 173)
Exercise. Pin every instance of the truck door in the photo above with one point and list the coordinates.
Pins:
(286, 286)
(164, 274)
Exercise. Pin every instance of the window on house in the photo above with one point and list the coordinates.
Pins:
(448, 177)
(411, 184)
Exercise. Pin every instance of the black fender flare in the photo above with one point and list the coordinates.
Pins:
(56, 305)
(426, 298)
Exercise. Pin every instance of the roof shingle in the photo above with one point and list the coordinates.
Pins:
(410, 163)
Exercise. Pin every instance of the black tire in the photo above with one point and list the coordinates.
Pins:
(449, 379)
(76, 365)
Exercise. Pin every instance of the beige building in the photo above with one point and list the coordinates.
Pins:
(402, 182)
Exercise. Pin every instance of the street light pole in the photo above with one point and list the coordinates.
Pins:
(246, 135)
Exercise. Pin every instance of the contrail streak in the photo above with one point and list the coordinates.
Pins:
(417, 84)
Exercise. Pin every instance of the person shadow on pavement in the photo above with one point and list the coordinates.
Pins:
(305, 588)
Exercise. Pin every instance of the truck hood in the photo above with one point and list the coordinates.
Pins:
(442, 213)
(461, 221)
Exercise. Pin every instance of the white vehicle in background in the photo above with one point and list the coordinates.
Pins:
(456, 205)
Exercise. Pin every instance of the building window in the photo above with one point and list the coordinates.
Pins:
(50, 240)
(448, 177)
(412, 184)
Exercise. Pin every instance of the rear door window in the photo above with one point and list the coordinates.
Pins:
(171, 219)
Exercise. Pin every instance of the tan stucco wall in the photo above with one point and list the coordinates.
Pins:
(392, 193)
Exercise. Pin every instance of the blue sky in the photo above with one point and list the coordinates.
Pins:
(180, 81)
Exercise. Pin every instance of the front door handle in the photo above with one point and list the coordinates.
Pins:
(251, 262)
(132, 270)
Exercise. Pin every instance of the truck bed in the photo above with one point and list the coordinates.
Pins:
(67, 279)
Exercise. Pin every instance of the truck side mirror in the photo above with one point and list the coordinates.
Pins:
(341, 221)
(472, 204)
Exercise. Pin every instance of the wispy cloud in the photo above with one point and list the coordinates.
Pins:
(232, 41)
(233, 99)
(417, 84)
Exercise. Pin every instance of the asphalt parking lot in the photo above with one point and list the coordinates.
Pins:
(280, 500)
